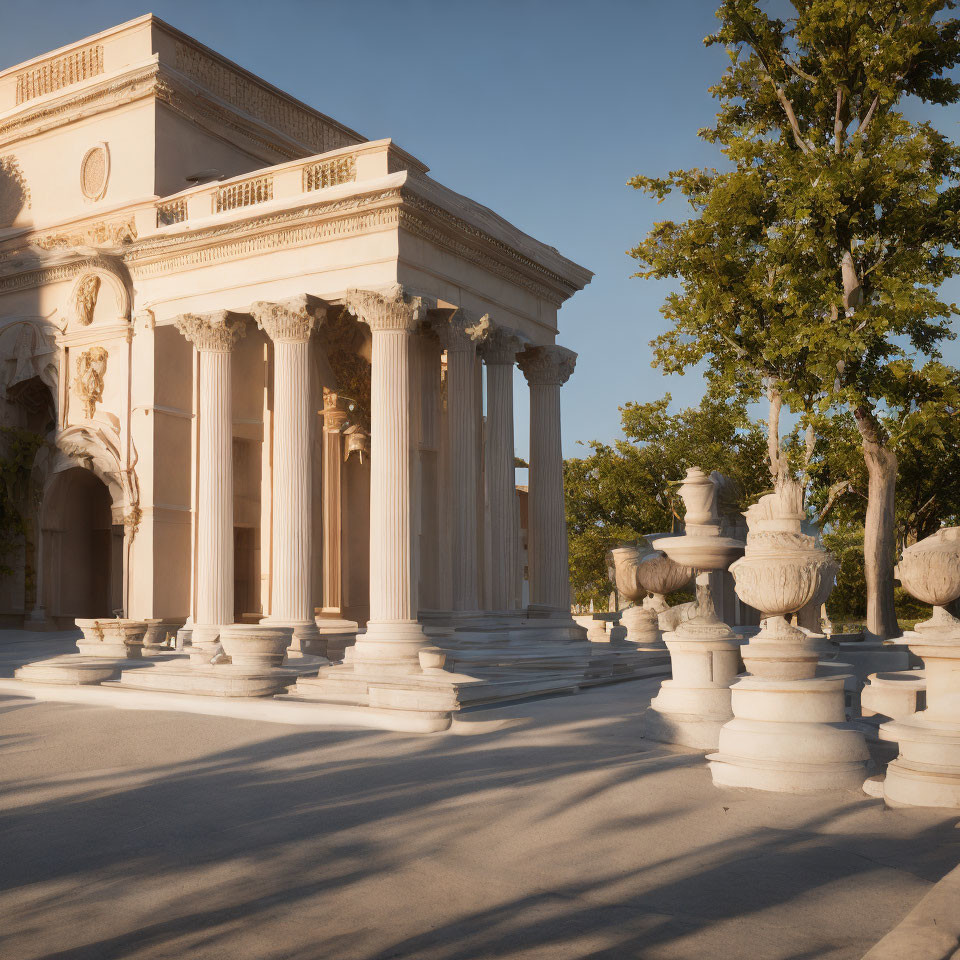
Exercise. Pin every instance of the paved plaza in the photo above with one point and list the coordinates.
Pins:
(548, 829)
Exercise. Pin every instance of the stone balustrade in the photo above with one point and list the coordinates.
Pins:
(286, 182)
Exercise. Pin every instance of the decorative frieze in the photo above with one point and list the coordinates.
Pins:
(391, 310)
(247, 193)
(549, 365)
(329, 173)
(289, 321)
(258, 101)
(91, 371)
(102, 233)
(62, 72)
(216, 332)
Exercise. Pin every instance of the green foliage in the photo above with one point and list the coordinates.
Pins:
(19, 452)
(623, 491)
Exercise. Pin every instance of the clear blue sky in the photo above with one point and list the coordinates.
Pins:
(540, 109)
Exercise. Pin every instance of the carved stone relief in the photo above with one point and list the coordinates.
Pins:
(85, 298)
(91, 370)
(95, 171)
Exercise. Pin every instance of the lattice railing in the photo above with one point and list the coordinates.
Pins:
(173, 212)
(329, 173)
(62, 72)
(244, 194)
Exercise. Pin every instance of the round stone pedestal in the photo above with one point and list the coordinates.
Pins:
(789, 736)
(642, 626)
(691, 708)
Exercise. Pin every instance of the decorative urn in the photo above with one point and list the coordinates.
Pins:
(781, 571)
(930, 571)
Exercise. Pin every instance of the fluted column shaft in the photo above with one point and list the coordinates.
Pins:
(214, 335)
(391, 582)
(215, 490)
(292, 527)
(501, 486)
(393, 634)
(290, 324)
(546, 368)
(334, 419)
(463, 420)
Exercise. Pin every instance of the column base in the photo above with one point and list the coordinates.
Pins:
(305, 635)
(789, 736)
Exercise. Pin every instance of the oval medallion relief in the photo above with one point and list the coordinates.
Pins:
(94, 171)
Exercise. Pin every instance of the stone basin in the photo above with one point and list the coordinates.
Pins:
(701, 553)
(254, 645)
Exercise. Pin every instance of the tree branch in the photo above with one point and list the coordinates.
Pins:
(836, 491)
(865, 122)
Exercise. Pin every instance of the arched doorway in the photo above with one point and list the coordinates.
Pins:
(83, 548)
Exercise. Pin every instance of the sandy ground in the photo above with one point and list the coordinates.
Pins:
(564, 835)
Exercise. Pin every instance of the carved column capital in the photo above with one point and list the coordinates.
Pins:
(502, 346)
(549, 365)
(335, 417)
(389, 310)
(216, 332)
(290, 321)
(461, 331)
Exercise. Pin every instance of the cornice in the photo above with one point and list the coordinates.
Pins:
(68, 269)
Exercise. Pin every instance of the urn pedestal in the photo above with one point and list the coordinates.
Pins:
(789, 732)
(926, 773)
(693, 705)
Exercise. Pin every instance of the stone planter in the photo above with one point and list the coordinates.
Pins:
(926, 772)
(117, 639)
(778, 576)
(253, 645)
(789, 732)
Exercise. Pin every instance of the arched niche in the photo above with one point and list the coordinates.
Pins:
(88, 511)
(99, 294)
(28, 373)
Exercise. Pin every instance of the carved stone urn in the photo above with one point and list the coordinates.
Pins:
(927, 771)
(659, 575)
(781, 571)
(788, 732)
(624, 563)
(694, 703)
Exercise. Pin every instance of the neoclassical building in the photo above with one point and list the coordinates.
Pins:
(270, 363)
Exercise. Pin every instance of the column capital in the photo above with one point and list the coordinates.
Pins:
(460, 331)
(215, 332)
(290, 321)
(334, 415)
(502, 346)
(549, 365)
(386, 310)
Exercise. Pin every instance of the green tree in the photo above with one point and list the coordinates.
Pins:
(621, 491)
(811, 267)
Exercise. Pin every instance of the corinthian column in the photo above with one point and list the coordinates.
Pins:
(459, 337)
(546, 368)
(214, 335)
(499, 354)
(393, 637)
(334, 420)
(290, 324)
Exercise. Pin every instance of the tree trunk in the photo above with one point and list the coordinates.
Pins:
(778, 462)
(879, 531)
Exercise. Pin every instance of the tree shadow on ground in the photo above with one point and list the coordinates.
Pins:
(246, 850)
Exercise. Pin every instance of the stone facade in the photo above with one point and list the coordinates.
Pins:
(252, 342)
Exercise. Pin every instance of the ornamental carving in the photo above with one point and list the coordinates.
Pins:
(94, 172)
(289, 321)
(460, 332)
(547, 366)
(502, 345)
(218, 331)
(85, 298)
(390, 310)
(91, 371)
(103, 233)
